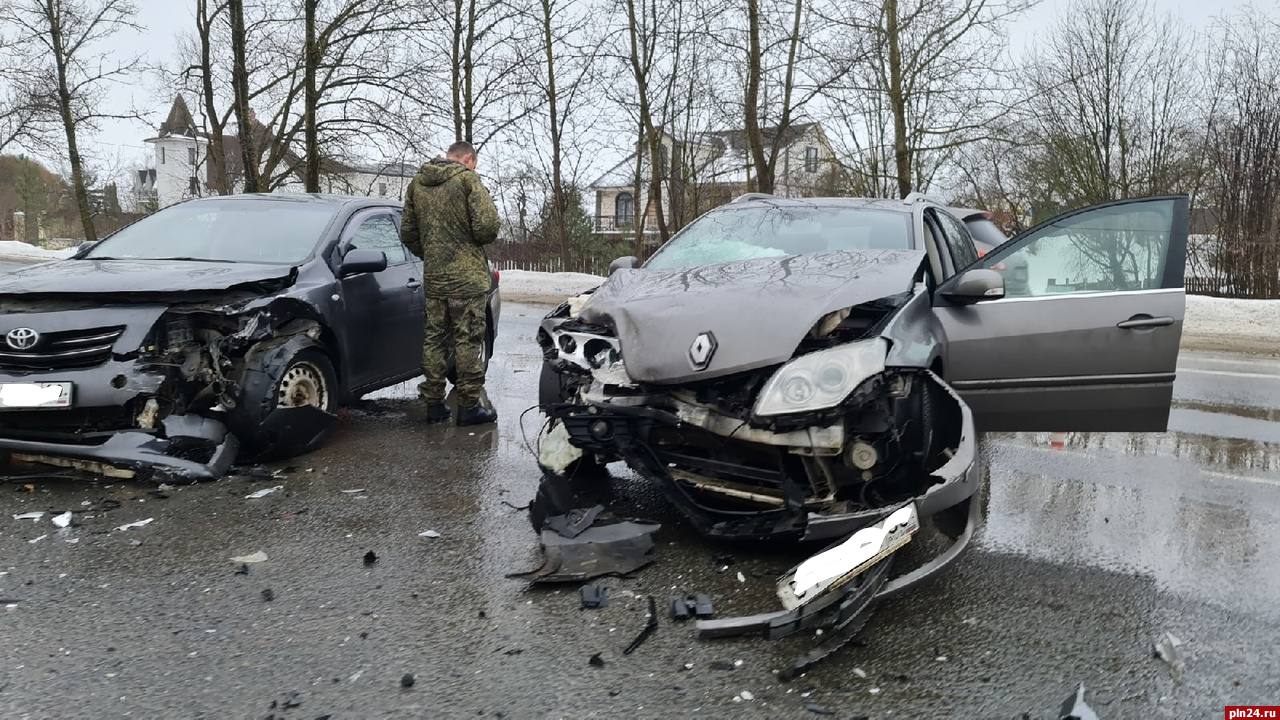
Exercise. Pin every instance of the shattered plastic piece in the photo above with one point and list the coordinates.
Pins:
(370, 558)
(679, 608)
(818, 709)
(741, 578)
(30, 516)
(36, 540)
(137, 524)
(574, 522)
(860, 673)
(747, 696)
(429, 534)
(407, 680)
(1166, 649)
(832, 569)
(63, 520)
(242, 570)
(614, 549)
(650, 625)
(352, 492)
(263, 492)
(254, 558)
(1075, 708)
(555, 452)
(596, 660)
(594, 596)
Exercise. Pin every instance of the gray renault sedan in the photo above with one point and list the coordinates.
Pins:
(213, 329)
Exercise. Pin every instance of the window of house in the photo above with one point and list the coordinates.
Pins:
(193, 186)
(162, 161)
(382, 189)
(191, 157)
(624, 209)
(811, 159)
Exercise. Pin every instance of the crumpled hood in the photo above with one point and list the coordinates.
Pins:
(133, 279)
(758, 310)
(439, 171)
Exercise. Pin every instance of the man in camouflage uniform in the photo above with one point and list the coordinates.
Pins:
(448, 217)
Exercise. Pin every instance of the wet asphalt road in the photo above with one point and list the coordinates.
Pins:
(1088, 555)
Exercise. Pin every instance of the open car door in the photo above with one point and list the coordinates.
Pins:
(1086, 335)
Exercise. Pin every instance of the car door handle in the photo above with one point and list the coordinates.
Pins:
(1144, 321)
(413, 284)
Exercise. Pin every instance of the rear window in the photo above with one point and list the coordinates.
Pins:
(734, 234)
(986, 232)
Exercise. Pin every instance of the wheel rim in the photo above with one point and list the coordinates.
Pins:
(303, 384)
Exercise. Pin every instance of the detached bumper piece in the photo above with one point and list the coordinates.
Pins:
(193, 449)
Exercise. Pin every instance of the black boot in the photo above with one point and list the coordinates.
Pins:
(476, 415)
(437, 413)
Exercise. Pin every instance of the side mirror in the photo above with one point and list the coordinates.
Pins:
(629, 262)
(975, 286)
(84, 247)
(362, 261)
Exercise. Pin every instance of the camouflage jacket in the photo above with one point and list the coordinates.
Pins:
(448, 216)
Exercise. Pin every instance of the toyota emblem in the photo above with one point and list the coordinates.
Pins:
(22, 338)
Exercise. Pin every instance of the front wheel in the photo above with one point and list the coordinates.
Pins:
(286, 378)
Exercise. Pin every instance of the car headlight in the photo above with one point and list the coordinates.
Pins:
(822, 379)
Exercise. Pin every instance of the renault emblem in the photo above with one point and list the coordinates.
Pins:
(22, 338)
(700, 352)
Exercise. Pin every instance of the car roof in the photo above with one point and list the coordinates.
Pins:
(757, 199)
(302, 198)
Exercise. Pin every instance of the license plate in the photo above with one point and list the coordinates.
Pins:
(35, 395)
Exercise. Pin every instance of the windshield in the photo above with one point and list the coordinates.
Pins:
(248, 231)
(730, 235)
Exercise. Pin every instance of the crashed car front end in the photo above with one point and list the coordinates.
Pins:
(151, 388)
(851, 428)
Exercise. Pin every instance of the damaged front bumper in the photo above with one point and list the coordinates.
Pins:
(189, 449)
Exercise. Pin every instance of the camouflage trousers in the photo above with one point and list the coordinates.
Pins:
(453, 329)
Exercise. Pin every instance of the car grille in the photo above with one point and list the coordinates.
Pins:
(63, 350)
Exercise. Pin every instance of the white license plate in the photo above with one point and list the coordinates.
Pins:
(35, 395)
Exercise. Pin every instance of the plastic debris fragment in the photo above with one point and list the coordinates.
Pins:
(650, 625)
(596, 660)
(1075, 708)
(353, 491)
(594, 596)
(370, 557)
(138, 524)
(30, 515)
(263, 492)
(1166, 649)
(429, 534)
(33, 541)
(254, 558)
(747, 696)
(407, 680)
(818, 709)
(62, 520)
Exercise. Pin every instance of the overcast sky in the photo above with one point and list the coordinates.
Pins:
(121, 143)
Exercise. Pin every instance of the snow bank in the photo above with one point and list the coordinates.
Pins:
(14, 250)
(1232, 325)
(541, 287)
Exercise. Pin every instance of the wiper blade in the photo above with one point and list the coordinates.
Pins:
(189, 259)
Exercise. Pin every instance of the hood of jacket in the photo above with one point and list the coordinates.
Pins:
(439, 171)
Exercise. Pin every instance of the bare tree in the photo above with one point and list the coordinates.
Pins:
(58, 49)
(1113, 107)
(923, 79)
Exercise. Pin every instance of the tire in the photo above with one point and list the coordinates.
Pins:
(305, 377)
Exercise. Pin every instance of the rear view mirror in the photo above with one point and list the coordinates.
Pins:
(629, 262)
(362, 261)
(975, 286)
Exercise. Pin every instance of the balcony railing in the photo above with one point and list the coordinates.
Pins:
(622, 224)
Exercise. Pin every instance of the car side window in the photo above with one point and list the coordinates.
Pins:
(1114, 248)
(379, 232)
(959, 241)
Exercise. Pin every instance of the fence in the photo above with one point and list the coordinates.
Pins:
(1227, 267)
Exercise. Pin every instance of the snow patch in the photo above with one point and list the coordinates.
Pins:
(13, 249)
(530, 286)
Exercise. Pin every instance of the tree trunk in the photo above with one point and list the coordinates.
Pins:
(217, 148)
(553, 111)
(651, 139)
(240, 86)
(762, 182)
(456, 69)
(311, 65)
(898, 102)
(69, 122)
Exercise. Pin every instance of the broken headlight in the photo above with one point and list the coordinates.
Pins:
(822, 379)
